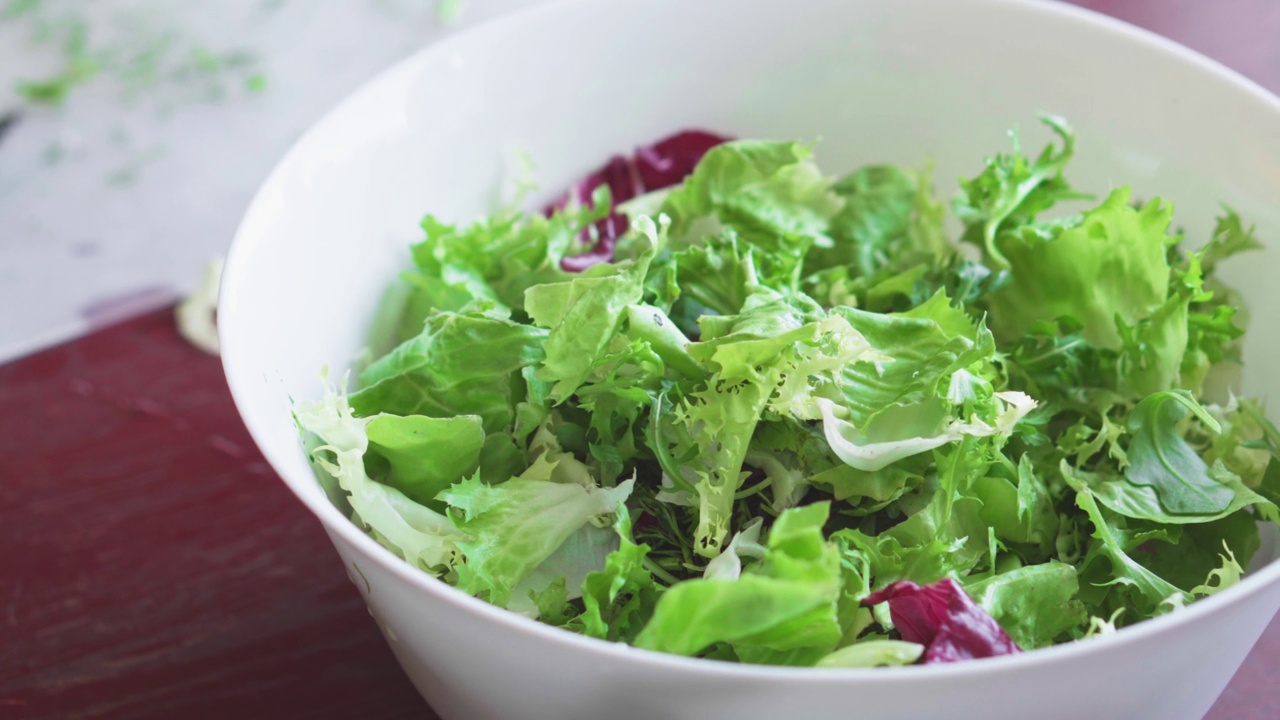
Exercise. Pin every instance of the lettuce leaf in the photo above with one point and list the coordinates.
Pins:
(1110, 266)
(784, 603)
(410, 446)
(619, 598)
(582, 314)
(508, 530)
(1036, 604)
(440, 374)
(1012, 190)
(770, 192)
(420, 535)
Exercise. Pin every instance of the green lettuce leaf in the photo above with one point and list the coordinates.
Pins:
(586, 551)
(873, 653)
(886, 236)
(511, 528)
(764, 357)
(745, 544)
(770, 192)
(464, 363)
(783, 604)
(1035, 604)
(1230, 237)
(1019, 509)
(875, 222)
(916, 354)
(423, 537)
(1111, 265)
(493, 258)
(582, 314)
(619, 598)
(425, 455)
(869, 451)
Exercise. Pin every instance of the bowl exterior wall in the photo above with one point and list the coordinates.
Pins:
(468, 669)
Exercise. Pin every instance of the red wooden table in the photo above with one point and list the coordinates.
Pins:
(151, 565)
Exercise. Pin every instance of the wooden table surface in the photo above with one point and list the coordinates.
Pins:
(152, 566)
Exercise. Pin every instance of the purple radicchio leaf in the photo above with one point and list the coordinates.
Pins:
(943, 618)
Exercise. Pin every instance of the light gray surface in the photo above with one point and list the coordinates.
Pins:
(112, 203)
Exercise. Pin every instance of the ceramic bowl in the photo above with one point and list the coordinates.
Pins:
(873, 81)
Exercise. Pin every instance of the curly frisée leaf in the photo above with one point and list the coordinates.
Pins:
(619, 597)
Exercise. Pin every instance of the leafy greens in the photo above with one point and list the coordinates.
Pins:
(716, 403)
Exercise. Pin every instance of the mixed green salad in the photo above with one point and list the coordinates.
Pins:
(757, 413)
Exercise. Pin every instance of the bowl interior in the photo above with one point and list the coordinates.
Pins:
(571, 83)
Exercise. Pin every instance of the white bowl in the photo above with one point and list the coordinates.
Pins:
(571, 83)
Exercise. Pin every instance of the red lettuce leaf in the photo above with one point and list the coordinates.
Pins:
(652, 167)
(668, 161)
(943, 618)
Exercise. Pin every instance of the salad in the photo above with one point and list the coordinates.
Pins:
(717, 403)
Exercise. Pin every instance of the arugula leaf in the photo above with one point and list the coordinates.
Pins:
(1161, 459)
(1120, 495)
(1198, 551)
(1151, 588)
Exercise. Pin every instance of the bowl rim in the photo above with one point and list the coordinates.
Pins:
(335, 522)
